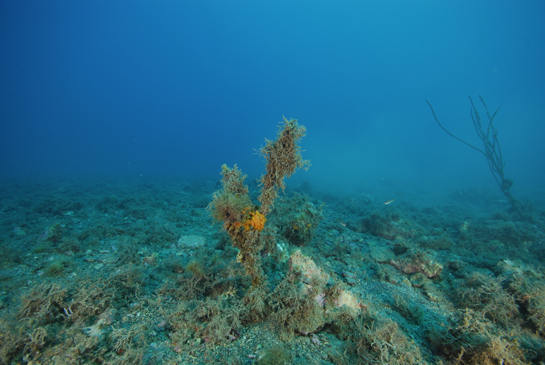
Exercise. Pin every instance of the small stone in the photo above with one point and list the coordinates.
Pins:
(191, 242)
(381, 254)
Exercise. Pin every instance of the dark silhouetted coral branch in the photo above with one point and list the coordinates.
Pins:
(492, 150)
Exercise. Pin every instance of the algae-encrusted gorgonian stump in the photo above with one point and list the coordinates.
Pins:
(242, 220)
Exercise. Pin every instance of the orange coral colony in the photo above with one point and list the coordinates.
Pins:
(256, 221)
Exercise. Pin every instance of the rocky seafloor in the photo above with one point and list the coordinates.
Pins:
(128, 272)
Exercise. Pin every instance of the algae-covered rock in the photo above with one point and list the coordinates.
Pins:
(304, 265)
(414, 262)
(307, 301)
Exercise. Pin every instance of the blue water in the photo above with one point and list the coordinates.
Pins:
(177, 88)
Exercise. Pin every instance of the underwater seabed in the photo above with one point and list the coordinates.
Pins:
(125, 272)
